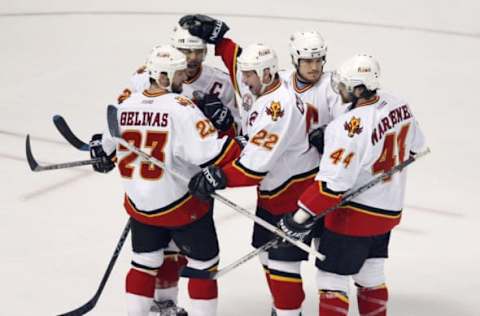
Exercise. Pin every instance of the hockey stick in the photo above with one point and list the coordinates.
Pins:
(88, 306)
(200, 274)
(67, 133)
(35, 166)
(115, 133)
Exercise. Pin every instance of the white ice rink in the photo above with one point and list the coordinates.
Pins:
(58, 229)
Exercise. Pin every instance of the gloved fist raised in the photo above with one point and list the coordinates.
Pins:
(205, 27)
(316, 138)
(213, 108)
(292, 229)
(205, 182)
(96, 151)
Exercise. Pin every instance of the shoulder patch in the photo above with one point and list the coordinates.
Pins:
(126, 93)
(354, 126)
(275, 110)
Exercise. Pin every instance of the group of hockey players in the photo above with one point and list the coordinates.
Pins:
(302, 137)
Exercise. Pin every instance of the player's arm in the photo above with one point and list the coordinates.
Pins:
(212, 31)
(198, 142)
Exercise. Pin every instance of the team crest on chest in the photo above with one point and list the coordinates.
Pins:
(353, 126)
(275, 110)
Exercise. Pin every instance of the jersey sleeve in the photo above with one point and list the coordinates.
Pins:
(418, 141)
(269, 139)
(228, 50)
(197, 140)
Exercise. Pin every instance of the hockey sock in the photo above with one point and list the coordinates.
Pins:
(166, 285)
(140, 286)
(333, 303)
(267, 277)
(203, 295)
(372, 301)
(287, 290)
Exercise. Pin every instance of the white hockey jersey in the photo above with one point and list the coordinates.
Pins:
(278, 155)
(322, 103)
(172, 129)
(360, 144)
(209, 80)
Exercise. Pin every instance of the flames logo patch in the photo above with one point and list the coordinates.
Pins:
(353, 126)
(275, 110)
(184, 101)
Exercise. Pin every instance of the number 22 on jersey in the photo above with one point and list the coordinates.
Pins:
(156, 141)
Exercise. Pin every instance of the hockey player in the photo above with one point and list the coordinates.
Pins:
(175, 131)
(209, 87)
(213, 93)
(277, 157)
(309, 52)
(378, 132)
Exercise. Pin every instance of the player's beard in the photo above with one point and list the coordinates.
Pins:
(192, 69)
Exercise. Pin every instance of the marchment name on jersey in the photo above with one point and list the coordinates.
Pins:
(393, 118)
(135, 118)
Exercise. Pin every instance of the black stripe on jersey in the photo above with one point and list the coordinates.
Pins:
(141, 266)
(325, 189)
(284, 276)
(250, 172)
(285, 184)
(164, 209)
(215, 159)
(370, 209)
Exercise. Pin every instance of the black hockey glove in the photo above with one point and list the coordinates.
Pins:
(293, 229)
(205, 182)
(205, 27)
(211, 106)
(316, 139)
(96, 151)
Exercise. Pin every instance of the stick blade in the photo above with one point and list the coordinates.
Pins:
(34, 166)
(112, 120)
(67, 133)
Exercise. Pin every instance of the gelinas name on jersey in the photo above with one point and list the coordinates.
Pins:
(135, 118)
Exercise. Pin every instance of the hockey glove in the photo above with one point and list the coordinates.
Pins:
(293, 229)
(316, 139)
(96, 151)
(220, 116)
(205, 27)
(207, 181)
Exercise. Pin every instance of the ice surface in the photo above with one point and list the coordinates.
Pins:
(58, 229)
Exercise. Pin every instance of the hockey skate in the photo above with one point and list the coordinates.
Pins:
(166, 308)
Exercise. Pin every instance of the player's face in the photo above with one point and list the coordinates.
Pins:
(344, 94)
(178, 79)
(194, 60)
(311, 69)
(252, 80)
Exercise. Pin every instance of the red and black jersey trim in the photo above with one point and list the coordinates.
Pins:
(160, 211)
(327, 191)
(249, 172)
(286, 184)
(373, 210)
(227, 148)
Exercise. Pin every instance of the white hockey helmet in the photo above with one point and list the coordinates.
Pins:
(165, 59)
(361, 69)
(259, 57)
(181, 38)
(307, 45)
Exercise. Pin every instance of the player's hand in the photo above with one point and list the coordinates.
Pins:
(96, 151)
(207, 181)
(316, 138)
(211, 106)
(205, 27)
(292, 229)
